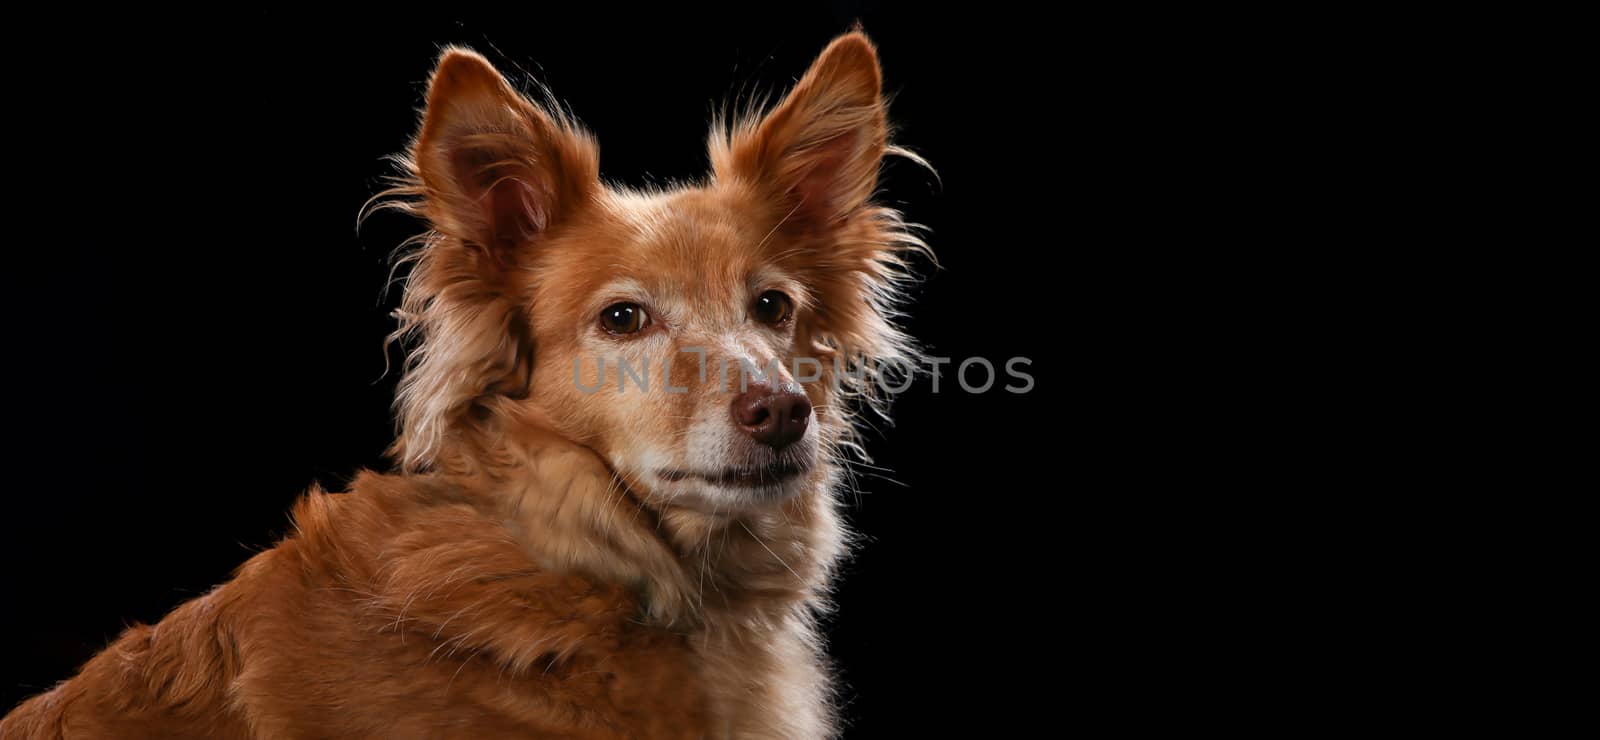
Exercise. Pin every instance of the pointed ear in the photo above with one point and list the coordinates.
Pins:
(819, 150)
(497, 171)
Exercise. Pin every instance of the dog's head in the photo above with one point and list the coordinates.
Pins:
(705, 341)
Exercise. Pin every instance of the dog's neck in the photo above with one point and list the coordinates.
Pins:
(573, 513)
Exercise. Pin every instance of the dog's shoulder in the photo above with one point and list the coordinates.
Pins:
(415, 601)
(392, 609)
(419, 556)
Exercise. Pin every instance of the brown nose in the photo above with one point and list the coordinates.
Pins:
(776, 417)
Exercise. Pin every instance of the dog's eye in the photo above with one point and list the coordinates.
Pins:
(623, 318)
(772, 307)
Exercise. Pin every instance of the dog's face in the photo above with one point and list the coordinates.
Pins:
(688, 336)
(666, 331)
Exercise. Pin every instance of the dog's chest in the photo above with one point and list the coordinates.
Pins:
(760, 681)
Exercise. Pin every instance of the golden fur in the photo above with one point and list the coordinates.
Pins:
(525, 570)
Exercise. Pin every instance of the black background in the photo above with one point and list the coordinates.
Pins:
(201, 332)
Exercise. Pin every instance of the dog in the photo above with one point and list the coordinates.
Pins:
(593, 527)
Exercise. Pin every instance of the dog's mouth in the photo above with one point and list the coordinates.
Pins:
(764, 476)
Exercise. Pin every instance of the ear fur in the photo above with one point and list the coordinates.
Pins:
(493, 174)
(497, 170)
(819, 150)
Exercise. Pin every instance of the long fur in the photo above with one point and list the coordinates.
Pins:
(513, 576)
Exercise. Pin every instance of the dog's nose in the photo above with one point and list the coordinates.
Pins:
(776, 417)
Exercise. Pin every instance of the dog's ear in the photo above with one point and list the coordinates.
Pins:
(496, 171)
(818, 150)
(493, 174)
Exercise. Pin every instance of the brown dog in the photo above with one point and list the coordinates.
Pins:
(588, 534)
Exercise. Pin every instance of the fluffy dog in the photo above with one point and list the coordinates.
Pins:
(611, 513)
